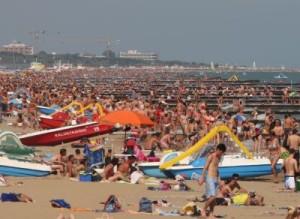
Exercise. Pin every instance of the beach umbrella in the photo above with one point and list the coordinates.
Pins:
(125, 117)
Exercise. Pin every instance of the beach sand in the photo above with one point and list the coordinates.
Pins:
(89, 195)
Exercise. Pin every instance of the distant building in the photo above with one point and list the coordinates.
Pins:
(88, 55)
(134, 54)
(17, 47)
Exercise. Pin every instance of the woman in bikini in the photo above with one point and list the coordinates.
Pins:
(274, 153)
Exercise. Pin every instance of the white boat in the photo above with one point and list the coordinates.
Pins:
(17, 159)
(22, 167)
(192, 161)
(230, 164)
(281, 76)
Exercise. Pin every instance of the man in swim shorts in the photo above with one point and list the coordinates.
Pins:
(290, 169)
(210, 175)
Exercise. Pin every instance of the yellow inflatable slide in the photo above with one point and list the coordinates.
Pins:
(195, 148)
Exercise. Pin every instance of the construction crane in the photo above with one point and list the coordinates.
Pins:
(107, 41)
(36, 36)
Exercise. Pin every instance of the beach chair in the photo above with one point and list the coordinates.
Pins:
(95, 157)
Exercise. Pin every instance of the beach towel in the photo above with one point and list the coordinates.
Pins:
(10, 197)
(135, 177)
(60, 203)
(240, 199)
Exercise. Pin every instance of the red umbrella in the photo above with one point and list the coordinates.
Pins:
(124, 117)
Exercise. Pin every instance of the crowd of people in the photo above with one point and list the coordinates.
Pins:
(183, 111)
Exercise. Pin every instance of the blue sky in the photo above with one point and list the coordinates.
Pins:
(224, 31)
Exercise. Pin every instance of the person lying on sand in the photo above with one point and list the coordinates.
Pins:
(232, 193)
(15, 197)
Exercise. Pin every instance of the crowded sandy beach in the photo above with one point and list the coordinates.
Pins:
(154, 144)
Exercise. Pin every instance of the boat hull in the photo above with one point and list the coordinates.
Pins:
(153, 170)
(230, 165)
(65, 134)
(226, 172)
(50, 123)
(12, 167)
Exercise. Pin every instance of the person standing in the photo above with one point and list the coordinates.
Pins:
(293, 142)
(290, 170)
(210, 175)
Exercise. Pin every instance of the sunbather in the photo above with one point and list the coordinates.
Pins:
(58, 162)
(123, 170)
(71, 168)
(15, 197)
(109, 169)
(232, 192)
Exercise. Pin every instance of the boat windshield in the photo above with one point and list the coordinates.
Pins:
(11, 145)
(232, 148)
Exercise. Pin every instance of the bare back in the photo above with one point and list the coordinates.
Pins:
(213, 165)
(294, 141)
(290, 165)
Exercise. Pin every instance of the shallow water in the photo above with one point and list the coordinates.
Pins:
(293, 77)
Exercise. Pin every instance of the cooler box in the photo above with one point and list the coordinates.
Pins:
(85, 177)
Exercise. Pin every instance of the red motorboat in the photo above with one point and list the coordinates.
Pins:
(65, 134)
(57, 120)
(62, 117)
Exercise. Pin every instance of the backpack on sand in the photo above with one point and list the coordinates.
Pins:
(112, 204)
(145, 205)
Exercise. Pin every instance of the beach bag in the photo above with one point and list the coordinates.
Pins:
(112, 204)
(60, 203)
(96, 177)
(145, 205)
